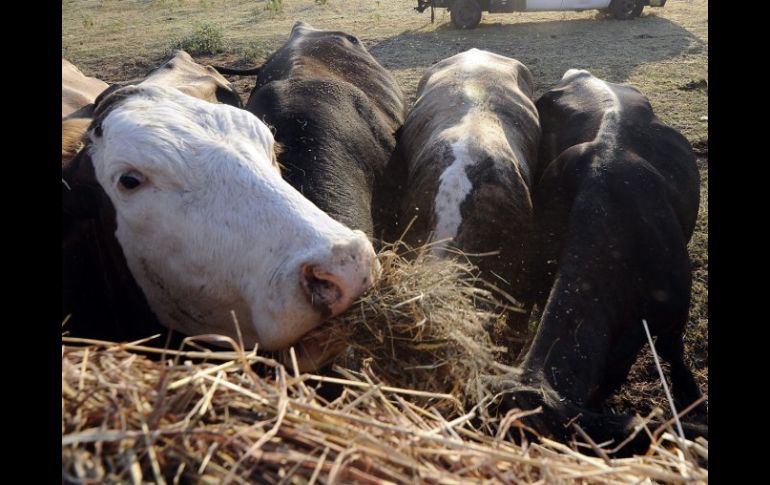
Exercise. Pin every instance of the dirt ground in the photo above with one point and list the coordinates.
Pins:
(664, 53)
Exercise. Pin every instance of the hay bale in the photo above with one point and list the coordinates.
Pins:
(418, 343)
(126, 418)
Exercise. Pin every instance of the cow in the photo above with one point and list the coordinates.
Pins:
(203, 82)
(615, 206)
(467, 156)
(335, 111)
(78, 93)
(179, 70)
(189, 220)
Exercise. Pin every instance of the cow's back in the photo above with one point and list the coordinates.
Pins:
(616, 203)
(467, 151)
(573, 112)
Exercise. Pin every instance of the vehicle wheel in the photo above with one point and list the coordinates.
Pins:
(466, 14)
(626, 9)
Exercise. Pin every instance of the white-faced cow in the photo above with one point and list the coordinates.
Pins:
(190, 220)
(93, 269)
(467, 153)
(335, 111)
(78, 93)
(615, 207)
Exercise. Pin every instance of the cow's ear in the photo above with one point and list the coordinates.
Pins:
(526, 81)
(229, 96)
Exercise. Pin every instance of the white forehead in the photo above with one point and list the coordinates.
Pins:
(162, 128)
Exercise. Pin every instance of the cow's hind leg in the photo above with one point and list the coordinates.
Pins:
(685, 389)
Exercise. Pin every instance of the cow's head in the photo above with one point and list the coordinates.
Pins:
(179, 70)
(208, 226)
(336, 50)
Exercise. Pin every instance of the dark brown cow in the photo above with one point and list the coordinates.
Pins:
(468, 151)
(335, 111)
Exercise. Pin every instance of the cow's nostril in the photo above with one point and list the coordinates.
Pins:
(322, 289)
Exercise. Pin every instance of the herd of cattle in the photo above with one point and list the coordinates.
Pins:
(183, 208)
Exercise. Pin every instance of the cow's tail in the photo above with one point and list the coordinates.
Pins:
(237, 72)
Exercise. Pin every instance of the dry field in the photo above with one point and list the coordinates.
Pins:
(664, 54)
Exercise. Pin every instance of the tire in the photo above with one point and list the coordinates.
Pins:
(466, 14)
(626, 9)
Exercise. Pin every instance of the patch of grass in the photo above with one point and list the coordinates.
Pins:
(274, 6)
(205, 39)
(253, 52)
(256, 13)
(321, 2)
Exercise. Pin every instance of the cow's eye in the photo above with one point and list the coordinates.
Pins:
(131, 180)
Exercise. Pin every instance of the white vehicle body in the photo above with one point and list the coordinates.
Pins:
(466, 14)
(540, 5)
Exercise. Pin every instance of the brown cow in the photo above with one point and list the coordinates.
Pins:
(78, 93)
(180, 71)
(467, 152)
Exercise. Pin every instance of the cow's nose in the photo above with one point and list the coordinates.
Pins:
(332, 284)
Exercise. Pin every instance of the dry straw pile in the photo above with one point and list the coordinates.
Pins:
(427, 325)
(406, 412)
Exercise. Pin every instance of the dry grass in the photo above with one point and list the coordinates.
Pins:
(411, 408)
(426, 326)
(126, 418)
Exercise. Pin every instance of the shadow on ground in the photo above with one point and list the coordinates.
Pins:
(608, 47)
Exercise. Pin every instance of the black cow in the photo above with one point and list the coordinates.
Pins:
(335, 111)
(615, 207)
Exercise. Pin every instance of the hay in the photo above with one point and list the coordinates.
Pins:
(426, 325)
(411, 409)
(126, 418)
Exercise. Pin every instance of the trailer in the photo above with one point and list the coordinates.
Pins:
(466, 14)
